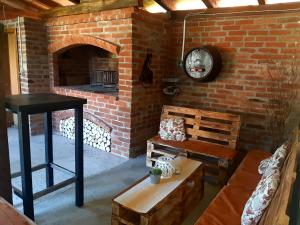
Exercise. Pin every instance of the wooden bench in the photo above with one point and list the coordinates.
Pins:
(211, 138)
(227, 207)
(11, 216)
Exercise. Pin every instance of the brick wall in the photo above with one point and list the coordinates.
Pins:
(33, 60)
(149, 36)
(245, 43)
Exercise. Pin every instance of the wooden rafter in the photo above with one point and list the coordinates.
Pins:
(37, 4)
(8, 12)
(91, 7)
(162, 4)
(50, 3)
(210, 3)
(17, 4)
(262, 2)
(242, 10)
(64, 2)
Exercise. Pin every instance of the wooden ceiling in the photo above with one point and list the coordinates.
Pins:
(37, 8)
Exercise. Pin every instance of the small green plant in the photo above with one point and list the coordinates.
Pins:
(156, 172)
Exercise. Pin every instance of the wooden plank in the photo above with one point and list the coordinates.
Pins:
(5, 181)
(241, 11)
(90, 7)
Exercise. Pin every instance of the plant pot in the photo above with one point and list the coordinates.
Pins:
(155, 179)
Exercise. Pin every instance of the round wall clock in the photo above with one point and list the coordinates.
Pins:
(203, 63)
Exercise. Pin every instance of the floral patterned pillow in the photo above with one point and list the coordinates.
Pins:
(275, 161)
(260, 198)
(172, 129)
(263, 166)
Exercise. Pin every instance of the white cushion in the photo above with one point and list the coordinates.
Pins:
(172, 129)
(260, 198)
(275, 161)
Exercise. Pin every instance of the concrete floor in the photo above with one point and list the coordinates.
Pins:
(105, 176)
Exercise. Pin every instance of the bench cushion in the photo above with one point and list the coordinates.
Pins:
(226, 208)
(10, 216)
(233, 197)
(199, 147)
(246, 175)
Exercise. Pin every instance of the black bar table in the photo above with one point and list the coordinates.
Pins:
(27, 104)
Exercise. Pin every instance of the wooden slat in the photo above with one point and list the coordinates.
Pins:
(210, 135)
(177, 109)
(218, 126)
(90, 7)
(188, 121)
(5, 181)
(220, 116)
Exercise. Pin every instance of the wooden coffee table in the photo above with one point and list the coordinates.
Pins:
(168, 202)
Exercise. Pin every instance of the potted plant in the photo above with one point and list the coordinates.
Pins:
(155, 174)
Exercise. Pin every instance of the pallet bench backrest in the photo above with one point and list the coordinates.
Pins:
(213, 127)
(277, 212)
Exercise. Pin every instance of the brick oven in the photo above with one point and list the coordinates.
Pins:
(99, 56)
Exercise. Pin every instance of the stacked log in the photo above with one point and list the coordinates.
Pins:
(93, 134)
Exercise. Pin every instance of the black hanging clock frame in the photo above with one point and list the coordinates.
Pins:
(203, 63)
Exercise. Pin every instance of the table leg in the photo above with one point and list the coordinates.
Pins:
(48, 148)
(25, 158)
(79, 155)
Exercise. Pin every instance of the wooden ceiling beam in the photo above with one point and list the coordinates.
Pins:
(163, 5)
(50, 3)
(11, 12)
(17, 4)
(64, 2)
(241, 10)
(89, 7)
(210, 3)
(261, 2)
(37, 4)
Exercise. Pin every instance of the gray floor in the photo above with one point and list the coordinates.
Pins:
(105, 176)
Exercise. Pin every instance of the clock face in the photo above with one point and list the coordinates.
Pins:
(203, 63)
(198, 63)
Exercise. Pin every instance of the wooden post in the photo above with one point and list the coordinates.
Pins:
(5, 181)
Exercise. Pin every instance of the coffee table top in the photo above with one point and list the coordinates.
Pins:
(143, 196)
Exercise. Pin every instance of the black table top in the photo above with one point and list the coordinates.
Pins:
(41, 102)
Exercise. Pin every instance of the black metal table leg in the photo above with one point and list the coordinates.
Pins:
(24, 142)
(79, 155)
(48, 148)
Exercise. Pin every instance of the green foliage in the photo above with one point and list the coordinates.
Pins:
(156, 172)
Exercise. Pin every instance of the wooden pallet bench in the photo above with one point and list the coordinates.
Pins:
(211, 138)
